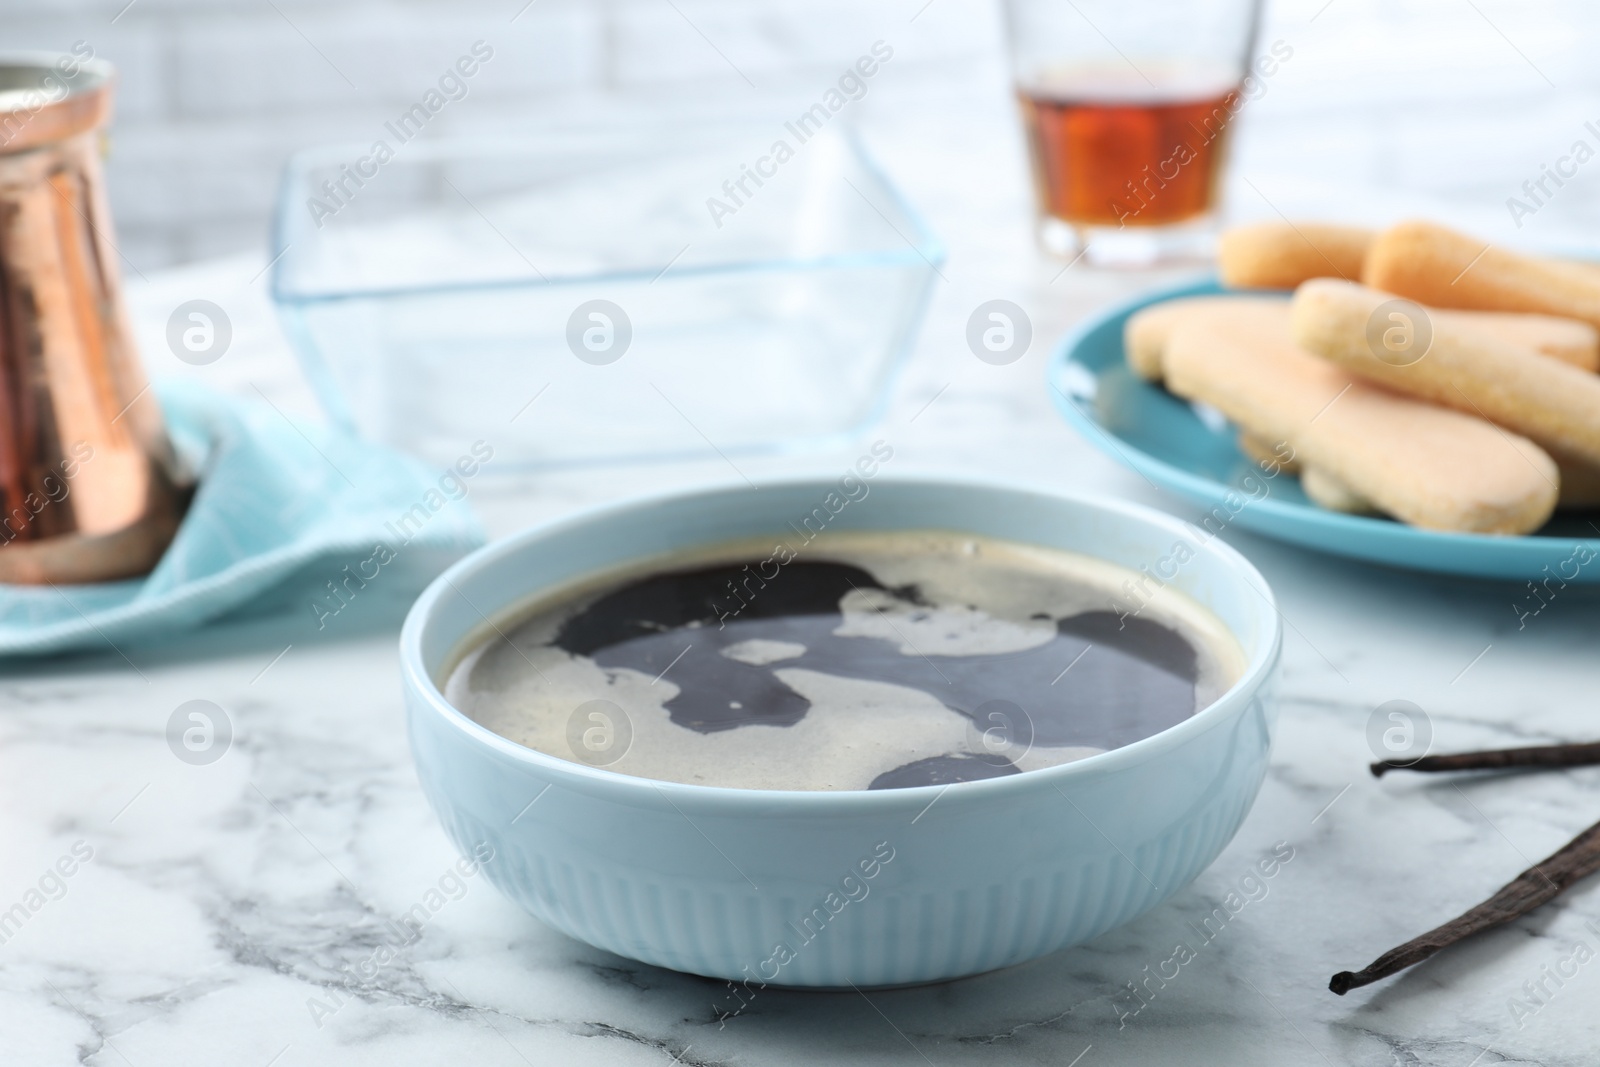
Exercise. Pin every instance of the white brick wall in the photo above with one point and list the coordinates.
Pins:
(1422, 96)
(215, 94)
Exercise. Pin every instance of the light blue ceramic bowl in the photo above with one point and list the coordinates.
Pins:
(832, 889)
(1161, 436)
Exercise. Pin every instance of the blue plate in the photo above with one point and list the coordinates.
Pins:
(1167, 441)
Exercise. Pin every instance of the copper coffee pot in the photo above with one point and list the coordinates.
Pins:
(89, 489)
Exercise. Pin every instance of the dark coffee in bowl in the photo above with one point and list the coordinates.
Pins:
(869, 661)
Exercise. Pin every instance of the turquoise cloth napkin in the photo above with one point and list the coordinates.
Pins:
(275, 498)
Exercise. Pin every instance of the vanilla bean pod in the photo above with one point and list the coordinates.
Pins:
(1574, 755)
(1540, 883)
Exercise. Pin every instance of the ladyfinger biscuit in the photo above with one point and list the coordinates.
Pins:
(1146, 331)
(1554, 404)
(1273, 456)
(1278, 255)
(1328, 492)
(1568, 340)
(1426, 465)
(1441, 268)
(1581, 269)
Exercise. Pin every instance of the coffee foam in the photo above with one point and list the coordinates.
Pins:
(978, 597)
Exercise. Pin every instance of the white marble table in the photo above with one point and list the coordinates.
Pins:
(222, 904)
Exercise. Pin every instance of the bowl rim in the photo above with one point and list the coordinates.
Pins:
(416, 679)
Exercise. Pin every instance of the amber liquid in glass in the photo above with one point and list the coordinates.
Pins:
(1127, 156)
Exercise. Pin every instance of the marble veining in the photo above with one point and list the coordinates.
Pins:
(227, 905)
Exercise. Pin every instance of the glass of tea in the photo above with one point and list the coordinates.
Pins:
(1128, 106)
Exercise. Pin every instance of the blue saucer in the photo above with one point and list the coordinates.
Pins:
(1164, 439)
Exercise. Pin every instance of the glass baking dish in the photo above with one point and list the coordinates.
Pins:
(580, 299)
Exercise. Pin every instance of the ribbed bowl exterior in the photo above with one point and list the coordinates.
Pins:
(839, 889)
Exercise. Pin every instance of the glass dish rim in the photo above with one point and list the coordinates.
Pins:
(920, 249)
